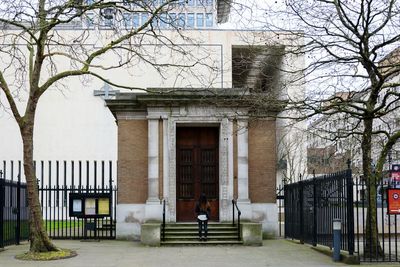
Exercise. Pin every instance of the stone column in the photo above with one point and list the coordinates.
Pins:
(225, 145)
(153, 205)
(166, 162)
(243, 168)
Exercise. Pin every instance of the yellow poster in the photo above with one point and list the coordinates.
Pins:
(104, 206)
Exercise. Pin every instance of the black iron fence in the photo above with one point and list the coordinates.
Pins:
(14, 214)
(56, 180)
(384, 248)
(311, 205)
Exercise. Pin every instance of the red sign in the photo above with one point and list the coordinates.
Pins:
(393, 201)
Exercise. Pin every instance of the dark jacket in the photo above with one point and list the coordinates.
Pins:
(206, 211)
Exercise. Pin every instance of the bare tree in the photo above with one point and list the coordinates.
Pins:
(45, 42)
(292, 140)
(351, 60)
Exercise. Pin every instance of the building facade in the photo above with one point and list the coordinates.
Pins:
(185, 130)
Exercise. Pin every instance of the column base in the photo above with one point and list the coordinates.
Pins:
(153, 210)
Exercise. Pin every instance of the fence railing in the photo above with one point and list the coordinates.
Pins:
(311, 205)
(56, 180)
(14, 213)
(239, 213)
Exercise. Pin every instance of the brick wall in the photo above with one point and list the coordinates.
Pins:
(132, 161)
(262, 161)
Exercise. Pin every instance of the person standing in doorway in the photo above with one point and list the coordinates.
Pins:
(203, 210)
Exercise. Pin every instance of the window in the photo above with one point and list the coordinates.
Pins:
(135, 20)
(89, 20)
(181, 20)
(205, 2)
(172, 19)
(200, 20)
(107, 16)
(127, 20)
(181, 2)
(163, 21)
(190, 2)
(190, 20)
(209, 20)
(145, 18)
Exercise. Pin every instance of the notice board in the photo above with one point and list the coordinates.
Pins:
(89, 205)
(393, 201)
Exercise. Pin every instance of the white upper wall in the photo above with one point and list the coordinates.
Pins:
(72, 124)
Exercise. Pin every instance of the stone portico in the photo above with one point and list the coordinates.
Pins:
(147, 158)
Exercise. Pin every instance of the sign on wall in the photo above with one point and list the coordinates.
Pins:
(393, 201)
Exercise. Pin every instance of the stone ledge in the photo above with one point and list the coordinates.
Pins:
(251, 234)
(151, 234)
(344, 255)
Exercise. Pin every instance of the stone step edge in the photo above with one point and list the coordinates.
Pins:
(196, 232)
(211, 242)
(196, 227)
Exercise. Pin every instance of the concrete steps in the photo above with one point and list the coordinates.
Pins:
(178, 234)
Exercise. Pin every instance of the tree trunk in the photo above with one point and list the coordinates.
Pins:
(39, 240)
(373, 247)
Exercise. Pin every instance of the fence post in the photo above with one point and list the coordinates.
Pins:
(314, 210)
(2, 193)
(18, 226)
(286, 210)
(301, 212)
(350, 208)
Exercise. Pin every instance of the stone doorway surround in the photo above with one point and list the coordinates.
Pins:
(195, 116)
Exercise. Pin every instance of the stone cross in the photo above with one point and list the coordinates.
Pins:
(106, 92)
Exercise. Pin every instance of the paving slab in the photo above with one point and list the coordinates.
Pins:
(112, 253)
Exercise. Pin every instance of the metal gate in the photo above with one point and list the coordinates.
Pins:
(14, 213)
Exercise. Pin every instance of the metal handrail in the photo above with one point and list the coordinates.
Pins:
(234, 204)
(163, 223)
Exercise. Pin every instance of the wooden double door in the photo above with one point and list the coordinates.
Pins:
(197, 170)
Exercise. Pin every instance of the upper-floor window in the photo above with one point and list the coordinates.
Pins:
(181, 20)
(200, 20)
(127, 18)
(89, 20)
(190, 20)
(204, 2)
(191, 2)
(163, 21)
(172, 19)
(145, 18)
(209, 19)
(107, 16)
(135, 20)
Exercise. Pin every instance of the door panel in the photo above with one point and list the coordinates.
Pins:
(197, 170)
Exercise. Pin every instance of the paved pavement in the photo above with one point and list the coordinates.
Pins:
(111, 253)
